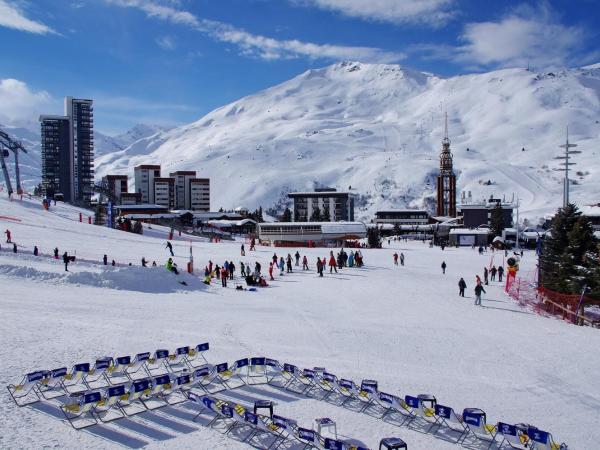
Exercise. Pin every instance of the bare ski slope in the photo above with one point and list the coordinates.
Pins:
(403, 326)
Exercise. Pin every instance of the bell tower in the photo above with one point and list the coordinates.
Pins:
(446, 180)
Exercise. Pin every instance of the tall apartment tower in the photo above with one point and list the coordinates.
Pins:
(446, 180)
(200, 194)
(68, 151)
(81, 116)
(182, 188)
(144, 176)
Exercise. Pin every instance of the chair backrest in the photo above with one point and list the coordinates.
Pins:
(116, 391)
(258, 361)
(161, 354)
(183, 380)
(281, 422)
(306, 435)
(475, 419)
(290, 368)
(141, 357)
(411, 401)
(201, 372)
(507, 429)
(309, 373)
(272, 362)
(161, 380)
(444, 412)
(81, 368)
(251, 418)
(32, 377)
(370, 386)
(202, 347)
(388, 398)
(540, 437)
(103, 363)
(329, 377)
(227, 410)
(123, 360)
(58, 373)
(347, 384)
(140, 385)
(222, 367)
(183, 350)
(240, 363)
(91, 397)
(333, 444)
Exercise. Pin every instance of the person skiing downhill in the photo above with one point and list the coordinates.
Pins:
(462, 285)
(170, 247)
(444, 267)
(332, 263)
(305, 263)
(500, 273)
(319, 266)
(478, 290)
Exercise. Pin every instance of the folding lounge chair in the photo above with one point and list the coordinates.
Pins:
(177, 362)
(447, 417)
(275, 426)
(424, 412)
(204, 377)
(513, 436)
(109, 409)
(327, 382)
(195, 358)
(475, 420)
(74, 381)
(369, 396)
(273, 369)
(288, 374)
(543, 440)
(221, 410)
(117, 373)
(233, 377)
(157, 364)
(180, 384)
(79, 410)
(395, 405)
(25, 392)
(132, 404)
(52, 385)
(159, 389)
(96, 376)
(137, 369)
(344, 389)
(310, 438)
(257, 371)
(308, 379)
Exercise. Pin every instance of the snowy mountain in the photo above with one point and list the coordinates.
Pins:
(378, 130)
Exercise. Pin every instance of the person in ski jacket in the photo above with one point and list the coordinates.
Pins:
(395, 259)
(210, 266)
(297, 255)
(304, 263)
(332, 263)
(443, 266)
(170, 247)
(319, 267)
(242, 269)
(485, 276)
(500, 273)
(281, 265)
(257, 269)
(493, 272)
(14, 248)
(218, 271)
(401, 259)
(271, 271)
(242, 251)
(462, 285)
(275, 259)
(351, 260)
(35, 250)
(477, 279)
(66, 260)
(478, 290)
(55, 252)
(171, 266)
(105, 260)
(289, 263)
(153, 264)
(231, 270)
(113, 263)
(8, 236)
(224, 274)
(144, 263)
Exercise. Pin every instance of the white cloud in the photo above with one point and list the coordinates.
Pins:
(256, 45)
(433, 12)
(20, 106)
(11, 16)
(166, 42)
(528, 34)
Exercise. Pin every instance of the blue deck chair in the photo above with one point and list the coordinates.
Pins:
(109, 409)
(177, 362)
(476, 421)
(273, 369)
(204, 377)
(234, 376)
(117, 372)
(160, 389)
(310, 438)
(514, 436)
(425, 413)
(447, 417)
(288, 374)
(132, 404)
(195, 357)
(180, 384)
(257, 371)
(307, 379)
(542, 440)
(79, 410)
(25, 393)
(52, 387)
(327, 382)
(213, 383)
(157, 364)
(345, 389)
(369, 396)
(74, 381)
(96, 377)
(396, 405)
(137, 368)
(276, 427)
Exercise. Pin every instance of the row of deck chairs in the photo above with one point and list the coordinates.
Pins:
(410, 410)
(279, 429)
(106, 371)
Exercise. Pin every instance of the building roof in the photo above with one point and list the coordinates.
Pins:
(151, 216)
(402, 211)
(147, 167)
(469, 231)
(164, 180)
(141, 207)
(115, 177)
(591, 210)
(230, 223)
(319, 194)
(212, 215)
(183, 172)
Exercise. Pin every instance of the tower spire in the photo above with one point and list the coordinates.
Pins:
(446, 125)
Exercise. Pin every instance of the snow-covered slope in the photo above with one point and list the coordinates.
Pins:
(377, 128)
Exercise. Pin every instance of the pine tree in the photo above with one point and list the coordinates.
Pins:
(99, 214)
(316, 215)
(497, 221)
(397, 229)
(287, 215)
(374, 237)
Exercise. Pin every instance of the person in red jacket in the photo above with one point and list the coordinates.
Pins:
(8, 236)
(396, 259)
(332, 263)
(271, 271)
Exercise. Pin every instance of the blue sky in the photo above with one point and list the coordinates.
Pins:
(171, 61)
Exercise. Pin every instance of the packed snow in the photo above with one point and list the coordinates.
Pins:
(404, 326)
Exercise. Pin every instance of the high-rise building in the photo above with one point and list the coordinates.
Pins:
(446, 180)
(182, 188)
(56, 156)
(68, 151)
(144, 181)
(81, 115)
(116, 186)
(199, 194)
(164, 192)
(333, 206)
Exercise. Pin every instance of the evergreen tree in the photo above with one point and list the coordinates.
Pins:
(374, 237)
(316, 215)
(287, 215)
(397, 229)
(99, 214)
(260, 215)
(497, 221)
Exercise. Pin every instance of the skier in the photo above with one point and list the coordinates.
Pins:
(444, 267)
(478, 290)
(55, 252)
(231, 270)
(493, 272)
(253, 244)
(35, 250)
(304, 263)
(8, 236)
(462, 285)
(153, 263)
(297, 255)
(351, 260)
(243, 252)
(402, 259)
(477, 280)
(242, 269)
(332, 263)
(500, 273)
(281, 265)
(66, 260)
(144, 264)
(396, 259)
(14, 248)
(224, 277)
(485, 276)
(170, 247)
(319, 267)
(257, 269)
(289, 263)
(105, 260)
(218, 271)
(113, 263)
